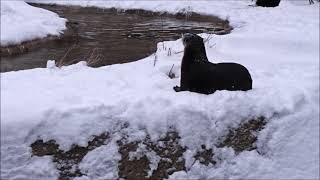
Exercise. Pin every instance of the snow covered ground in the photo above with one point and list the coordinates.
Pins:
(279, 46)
(21, 22)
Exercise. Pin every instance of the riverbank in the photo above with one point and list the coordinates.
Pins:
(21, 22)
(106, 36)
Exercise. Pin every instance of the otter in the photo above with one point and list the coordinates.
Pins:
(268, 3)
(201, 76)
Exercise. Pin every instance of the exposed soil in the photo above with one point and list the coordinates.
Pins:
(167, 149)
(131, 169)
(107, 36)
(67, 162)
(244, 137)
(205, 156)
(170, 153)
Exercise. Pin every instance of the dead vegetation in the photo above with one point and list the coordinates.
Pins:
(93, 58)
(171, 74)
(62, 61)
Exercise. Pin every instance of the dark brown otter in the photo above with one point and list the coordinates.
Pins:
(268, 3)
(201, 76)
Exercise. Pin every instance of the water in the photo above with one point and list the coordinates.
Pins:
(108, 36)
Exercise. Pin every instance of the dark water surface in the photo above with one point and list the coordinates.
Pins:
(110, 36)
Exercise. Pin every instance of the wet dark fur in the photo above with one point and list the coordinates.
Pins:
(268, 3)
(200, 75)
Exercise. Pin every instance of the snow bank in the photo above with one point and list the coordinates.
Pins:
(240, 14)
(279, 46)
(21, 22)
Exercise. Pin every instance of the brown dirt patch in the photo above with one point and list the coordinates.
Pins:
(244, 137)
(204, 156)
(170, 153)
(167, 149)
(67, 161)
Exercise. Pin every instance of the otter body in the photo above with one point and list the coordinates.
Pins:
(201, 76)
(268, 3)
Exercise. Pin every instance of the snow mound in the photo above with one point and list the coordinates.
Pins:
(135, 100)
(21, 22)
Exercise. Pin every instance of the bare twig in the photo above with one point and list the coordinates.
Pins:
(169, 52)
(171, 74)
(178, 52)
(62, 60)
(155, 59)
(208, 38)
(163, 46)
(210, 46)
(188, 13)
(94, 57)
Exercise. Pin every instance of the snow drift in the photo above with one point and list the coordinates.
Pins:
(279, 46)
(21, 22)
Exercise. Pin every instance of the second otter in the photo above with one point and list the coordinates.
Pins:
(201, 76)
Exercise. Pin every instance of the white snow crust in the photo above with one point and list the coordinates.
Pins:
(21, 22)
(279, 46)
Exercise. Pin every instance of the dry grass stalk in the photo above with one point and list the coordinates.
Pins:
(208, 38)
(178, 52)
(62, 61)
(171, 74)
(169, 52)
(155, 59)
(94, 57)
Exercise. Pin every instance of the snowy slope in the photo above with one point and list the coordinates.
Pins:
(279, 46)
(21, 22)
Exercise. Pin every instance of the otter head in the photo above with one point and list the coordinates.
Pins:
(194, 47)
(189, 39)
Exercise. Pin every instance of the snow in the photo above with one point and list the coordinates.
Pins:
(104, 160)
(279, 46)
(21, 22)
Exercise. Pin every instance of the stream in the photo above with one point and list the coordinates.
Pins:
(110, 36)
